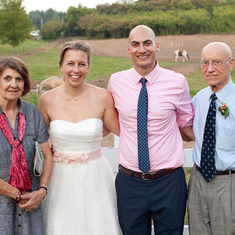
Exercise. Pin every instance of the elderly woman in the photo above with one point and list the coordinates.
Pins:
(21, 124)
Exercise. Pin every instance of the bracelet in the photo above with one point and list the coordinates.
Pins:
(18, 197)
(44, 188)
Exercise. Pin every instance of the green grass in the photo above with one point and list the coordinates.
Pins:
(43, 64)
(196, 82)
(105, 66)
(166, 64)
(29, 44)
(32, 98)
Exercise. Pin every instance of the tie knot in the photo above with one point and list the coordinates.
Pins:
(143, 81)
(213, 97)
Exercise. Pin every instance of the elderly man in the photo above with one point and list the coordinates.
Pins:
(211, 200)
(153, 104)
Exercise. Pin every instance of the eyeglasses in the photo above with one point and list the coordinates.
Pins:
(217, 64)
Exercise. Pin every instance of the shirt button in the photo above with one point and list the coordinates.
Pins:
(19, 225)
(19, 214)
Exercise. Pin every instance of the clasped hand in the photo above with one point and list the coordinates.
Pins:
(31, 201)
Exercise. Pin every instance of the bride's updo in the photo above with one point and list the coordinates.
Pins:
(75, 45)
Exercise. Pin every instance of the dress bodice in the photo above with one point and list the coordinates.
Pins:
(81, 137)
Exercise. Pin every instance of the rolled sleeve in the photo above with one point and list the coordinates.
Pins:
(185, 109)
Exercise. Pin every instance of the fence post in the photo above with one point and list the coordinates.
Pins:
(116, 141)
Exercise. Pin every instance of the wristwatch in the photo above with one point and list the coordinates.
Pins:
(44, 188)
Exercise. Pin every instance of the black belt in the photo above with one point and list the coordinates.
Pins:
(219, 172)
(147, 176)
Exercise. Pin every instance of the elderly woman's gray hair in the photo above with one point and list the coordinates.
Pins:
(18, 65)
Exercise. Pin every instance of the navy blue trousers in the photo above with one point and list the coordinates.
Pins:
(163, 200)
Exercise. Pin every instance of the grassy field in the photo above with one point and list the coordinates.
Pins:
(43, 64)
(32, 98)
(29, 44)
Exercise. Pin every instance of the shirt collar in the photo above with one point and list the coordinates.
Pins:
(19, 103)
(149, 77)
(225, 91)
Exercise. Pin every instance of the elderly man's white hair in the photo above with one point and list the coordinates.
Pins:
(219, 46)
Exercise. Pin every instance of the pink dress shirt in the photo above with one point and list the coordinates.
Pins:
(169, 107)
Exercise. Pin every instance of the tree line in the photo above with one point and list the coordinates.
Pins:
(165, 17)
(40, 17)
(163, 23)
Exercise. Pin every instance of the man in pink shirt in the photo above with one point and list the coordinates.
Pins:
(160, 194)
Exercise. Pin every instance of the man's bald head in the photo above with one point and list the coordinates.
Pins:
(142, 29)
(218, 46)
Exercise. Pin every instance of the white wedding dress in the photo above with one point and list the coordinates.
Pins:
(81, 196)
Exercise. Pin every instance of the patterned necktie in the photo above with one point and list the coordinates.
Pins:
(208, 169)
(142, 132)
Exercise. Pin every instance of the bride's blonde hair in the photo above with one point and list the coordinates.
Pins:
(75, 45)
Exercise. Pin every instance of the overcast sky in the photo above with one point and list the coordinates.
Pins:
(61, 5)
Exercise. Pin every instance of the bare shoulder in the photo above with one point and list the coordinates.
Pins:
(50, 96)
(100, 93)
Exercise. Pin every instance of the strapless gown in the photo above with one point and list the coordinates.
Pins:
(81, 196)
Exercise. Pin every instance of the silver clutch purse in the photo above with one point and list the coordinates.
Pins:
(38, 160)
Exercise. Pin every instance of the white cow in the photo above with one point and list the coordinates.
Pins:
(49, 83)
(183, 53)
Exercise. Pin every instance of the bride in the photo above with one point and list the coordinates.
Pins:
(81, 197)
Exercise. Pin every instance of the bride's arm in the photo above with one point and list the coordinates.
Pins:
(42, 106)
(106, 131)
(110, 117)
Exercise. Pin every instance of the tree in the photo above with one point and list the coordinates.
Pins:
(72, 16)
(40, 17)
(15, 25)
(51, 30)
(204, 3)
(35, 16)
